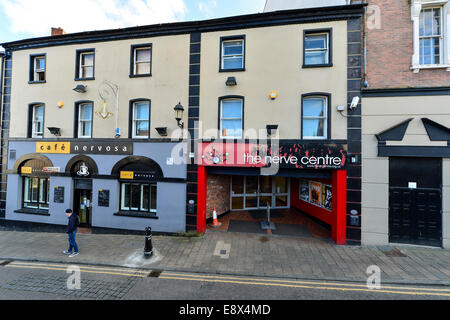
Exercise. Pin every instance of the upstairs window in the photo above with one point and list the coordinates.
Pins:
(36, 121)
(231, 118)
(315, 117)
(232, 54)
(140, 119)
(430, 36)
(85, 111)
(317, 48)
(141, 60)
(37, 68)
(85, 65)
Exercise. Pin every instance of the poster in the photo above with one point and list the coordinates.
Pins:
(327, 197)
(304, 190)
(315, 193)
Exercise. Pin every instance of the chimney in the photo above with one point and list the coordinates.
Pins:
(58, 31)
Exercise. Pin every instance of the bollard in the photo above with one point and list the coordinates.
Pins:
(148, 249)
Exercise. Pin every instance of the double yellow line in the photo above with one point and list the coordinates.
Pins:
(252, 281)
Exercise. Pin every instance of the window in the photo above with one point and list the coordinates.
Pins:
(85, 64)
(138, 197)
(230, 118)
(37, 121)
(430, 36)
(36, 192)
(315, 114)
(140, 121)
(37, 68)
(232, 54)
(85, 120)
(141, 60)
(317, 48)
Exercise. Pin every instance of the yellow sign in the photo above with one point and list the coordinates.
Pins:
(127, 175)
(27, 170)
(53, 147)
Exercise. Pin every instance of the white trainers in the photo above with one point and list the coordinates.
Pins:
(73, 254)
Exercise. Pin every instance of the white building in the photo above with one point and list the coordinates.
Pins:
(274, 5)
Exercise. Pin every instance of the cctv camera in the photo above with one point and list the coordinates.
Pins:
(354, 104)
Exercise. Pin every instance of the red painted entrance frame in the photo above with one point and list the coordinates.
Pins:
(337, 220)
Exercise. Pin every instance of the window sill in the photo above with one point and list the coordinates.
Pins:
(84, 79)
(136, 214)
(232, 70)
(416, 69)
(35, 82)
(140, 75)
(39, 212)
(306, 66)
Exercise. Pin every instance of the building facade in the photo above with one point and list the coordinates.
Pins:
(270, 119)
(405, 123)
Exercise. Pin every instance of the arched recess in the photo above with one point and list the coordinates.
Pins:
(138, 164)
(46, 162)
(82, 158)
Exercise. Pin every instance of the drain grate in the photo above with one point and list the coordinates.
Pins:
(154, 274)
(393, 253)
(4, 263)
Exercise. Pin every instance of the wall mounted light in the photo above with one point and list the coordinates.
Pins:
(179, 110)
(60, 104)
(55, 131)
(271, 129)
(231, 81)
(273, 95)
(162, 131)
(80, 88)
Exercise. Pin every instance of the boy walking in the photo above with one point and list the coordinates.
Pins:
(72, 228)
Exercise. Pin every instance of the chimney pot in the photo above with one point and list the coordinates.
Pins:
(58, 31)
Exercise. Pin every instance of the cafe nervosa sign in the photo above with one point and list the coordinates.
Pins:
(65, 147)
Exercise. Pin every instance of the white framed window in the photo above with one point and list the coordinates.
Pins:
(85, 120)
(315, 117)
(38, 69)
(36, 193)
(431, 34)
(86, 65)
(316, 49)
(142, 60)
(233, 54)
(139, 197)
(37, 125)
(141, 119)
(231, 118)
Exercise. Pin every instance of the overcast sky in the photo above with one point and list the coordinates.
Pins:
(20, 19)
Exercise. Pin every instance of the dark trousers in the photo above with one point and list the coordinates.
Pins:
(72, 244)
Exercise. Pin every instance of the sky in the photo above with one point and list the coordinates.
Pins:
(22, 19)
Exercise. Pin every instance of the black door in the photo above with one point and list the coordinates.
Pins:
(82, 202)
(415, 202)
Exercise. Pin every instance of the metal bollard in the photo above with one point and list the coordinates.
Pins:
(148, 249)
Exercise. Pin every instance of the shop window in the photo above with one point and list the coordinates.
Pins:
(139, 197)
(141, 60)
(37, 68)
(85, 63)
(140, 119)
(231, 118)
(36, 193)
(232, 57)
(315, 117)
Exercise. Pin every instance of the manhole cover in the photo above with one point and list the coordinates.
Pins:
(393, 253)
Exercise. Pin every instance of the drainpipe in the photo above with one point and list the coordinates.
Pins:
(2, 56)
(365, 83)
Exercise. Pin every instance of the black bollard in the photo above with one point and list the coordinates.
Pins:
(148, 249)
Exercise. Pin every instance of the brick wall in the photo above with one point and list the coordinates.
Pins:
(218, 194)
(390, 50)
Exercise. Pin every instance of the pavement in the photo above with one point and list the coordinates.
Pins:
(243, 254)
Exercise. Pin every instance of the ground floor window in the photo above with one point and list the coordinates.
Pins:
(36, 192)
(138, 197)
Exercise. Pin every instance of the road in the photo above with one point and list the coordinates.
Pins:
(53, 281)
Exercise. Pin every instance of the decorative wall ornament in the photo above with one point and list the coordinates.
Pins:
(109, 91)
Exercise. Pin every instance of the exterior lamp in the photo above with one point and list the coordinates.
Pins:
(55, 131)
(271, 129)
(231, 81)
(80, 88)
(179, 114)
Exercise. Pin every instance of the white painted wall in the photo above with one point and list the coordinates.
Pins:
(274, 5)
